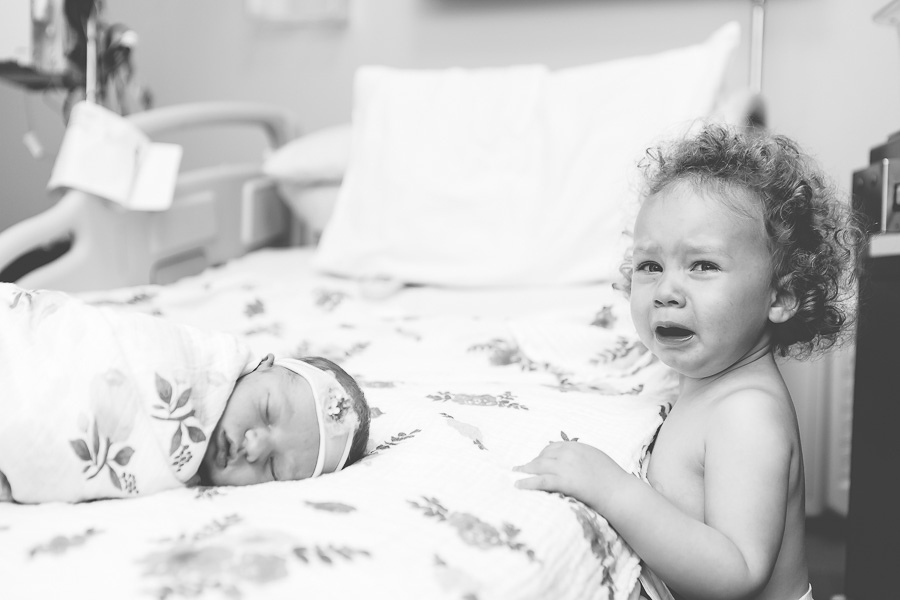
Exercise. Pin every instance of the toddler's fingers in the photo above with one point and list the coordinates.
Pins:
(546, 452)
(553, 450)
(535, 466)
(538, 482)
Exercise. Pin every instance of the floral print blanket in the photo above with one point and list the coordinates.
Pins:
(101, 403)
(463, 385)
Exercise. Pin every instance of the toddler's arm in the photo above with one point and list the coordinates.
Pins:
(729, 554)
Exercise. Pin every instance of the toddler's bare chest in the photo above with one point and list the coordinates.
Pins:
(676, 465)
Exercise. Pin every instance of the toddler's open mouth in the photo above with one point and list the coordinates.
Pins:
(673, 334)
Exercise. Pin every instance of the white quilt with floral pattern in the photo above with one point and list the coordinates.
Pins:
(463, 385)
(100, 403)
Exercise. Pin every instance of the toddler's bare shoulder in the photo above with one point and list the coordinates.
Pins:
(753, 406)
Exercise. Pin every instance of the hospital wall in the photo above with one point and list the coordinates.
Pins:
(831, 80)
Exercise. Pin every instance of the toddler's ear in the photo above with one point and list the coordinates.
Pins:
(784, 306)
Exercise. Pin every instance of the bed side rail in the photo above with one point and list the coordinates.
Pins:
(218, 213)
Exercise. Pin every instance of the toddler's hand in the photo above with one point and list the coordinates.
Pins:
(574, 469)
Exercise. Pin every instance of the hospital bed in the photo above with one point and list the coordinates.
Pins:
(476, 342)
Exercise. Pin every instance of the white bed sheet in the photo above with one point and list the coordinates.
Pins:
(463, 385)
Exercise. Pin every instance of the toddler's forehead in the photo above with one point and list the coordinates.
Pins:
(732, 199)
(700, 216)
(733, 196)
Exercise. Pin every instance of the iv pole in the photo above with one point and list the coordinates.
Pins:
(90, 68)
(757, 37)
(756, 108)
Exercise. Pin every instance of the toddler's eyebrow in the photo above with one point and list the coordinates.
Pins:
(650, 247)
(707, 249)
(646, 247)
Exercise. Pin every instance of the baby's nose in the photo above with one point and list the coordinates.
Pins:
(256, 445)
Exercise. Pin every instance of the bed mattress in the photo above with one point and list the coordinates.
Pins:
(463, 385)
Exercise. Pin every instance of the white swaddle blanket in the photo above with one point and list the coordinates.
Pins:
(101, 403)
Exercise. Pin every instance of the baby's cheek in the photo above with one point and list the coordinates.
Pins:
(308, 460)
(303, 463)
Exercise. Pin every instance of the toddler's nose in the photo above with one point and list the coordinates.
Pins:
(668, 292)
(256, 444)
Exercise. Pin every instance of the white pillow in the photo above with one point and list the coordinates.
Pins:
(315, 157)
(511, 176)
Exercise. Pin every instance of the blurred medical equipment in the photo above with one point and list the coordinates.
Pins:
(66, 45)
(873, 547)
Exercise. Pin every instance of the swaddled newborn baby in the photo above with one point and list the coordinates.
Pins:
(288, 419)
(99, 402)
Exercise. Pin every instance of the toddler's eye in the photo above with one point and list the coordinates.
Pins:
(705, 265)
(649, 267)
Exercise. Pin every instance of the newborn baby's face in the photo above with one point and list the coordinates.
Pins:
(268, 431)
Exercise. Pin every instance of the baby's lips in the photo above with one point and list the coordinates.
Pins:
(221, 447)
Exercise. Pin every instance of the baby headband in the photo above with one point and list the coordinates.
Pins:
(334, 412)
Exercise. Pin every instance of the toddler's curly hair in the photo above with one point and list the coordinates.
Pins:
(815, 238)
